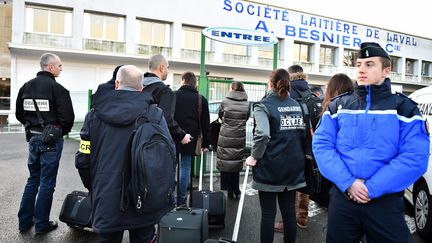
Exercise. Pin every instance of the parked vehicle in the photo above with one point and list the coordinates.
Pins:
(419, 194)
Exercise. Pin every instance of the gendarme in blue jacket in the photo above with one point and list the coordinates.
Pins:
(374, 135)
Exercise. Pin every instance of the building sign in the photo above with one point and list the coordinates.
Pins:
(285, 23)
(240, 36)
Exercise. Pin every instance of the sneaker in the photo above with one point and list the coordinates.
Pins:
(52, 225)
(279, 227)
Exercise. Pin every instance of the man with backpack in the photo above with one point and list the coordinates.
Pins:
(163, 96)
(312, 106)
(114, 136)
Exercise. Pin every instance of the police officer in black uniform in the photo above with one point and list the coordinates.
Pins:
(55, 106)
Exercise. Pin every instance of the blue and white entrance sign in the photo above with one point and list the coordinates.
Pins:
(240, 36)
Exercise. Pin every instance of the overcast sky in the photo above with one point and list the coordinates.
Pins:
(411, 17)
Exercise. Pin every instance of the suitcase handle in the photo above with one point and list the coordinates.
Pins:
(211, 169)
(201, 172)
(183, 208)
(240, 207)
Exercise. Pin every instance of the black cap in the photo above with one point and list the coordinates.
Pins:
(372, 49)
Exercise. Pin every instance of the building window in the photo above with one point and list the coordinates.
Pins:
(48, 21)
(234, 49)
(153, 33)
(409, 67)
(266, 51)
(301, 52)
(192, 39)
(104, 27)
(394, 64)
(5, 84)
(426, 69)
(350, 58)
(327, 55)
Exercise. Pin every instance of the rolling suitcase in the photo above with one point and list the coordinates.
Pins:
(183, 225)
(213, 202)
(238, 217)
(76, 210)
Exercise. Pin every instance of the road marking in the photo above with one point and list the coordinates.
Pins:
(314, 209)
(410, 223)
(250, 191)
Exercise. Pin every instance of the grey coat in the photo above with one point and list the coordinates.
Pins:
(232, 137)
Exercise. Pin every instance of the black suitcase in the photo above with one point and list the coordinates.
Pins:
(76, 210)
(183, 225)
(213, 202)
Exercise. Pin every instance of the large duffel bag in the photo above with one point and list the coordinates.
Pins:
(76, 210)
(184, 225)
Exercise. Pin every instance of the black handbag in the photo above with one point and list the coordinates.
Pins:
(50, 133)
(215, 127)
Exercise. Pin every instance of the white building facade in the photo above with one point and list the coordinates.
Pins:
(92, 37)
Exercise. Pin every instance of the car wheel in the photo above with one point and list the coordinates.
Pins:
(423, 211)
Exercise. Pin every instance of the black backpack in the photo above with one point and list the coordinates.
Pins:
(149, 174)
(311, 106)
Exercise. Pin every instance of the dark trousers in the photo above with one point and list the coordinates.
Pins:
(286, 201)
(141, 235)
(230, 181)
(381, 220)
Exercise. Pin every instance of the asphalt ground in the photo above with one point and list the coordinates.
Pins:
(14, 173)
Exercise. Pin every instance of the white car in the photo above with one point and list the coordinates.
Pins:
(419, 194)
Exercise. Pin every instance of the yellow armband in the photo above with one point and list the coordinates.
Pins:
(84, 147)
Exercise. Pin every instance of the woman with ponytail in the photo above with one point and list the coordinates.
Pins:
(278, 156)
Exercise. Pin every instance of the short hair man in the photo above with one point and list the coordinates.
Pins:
(107, 129)
(163, 96)
(371, 144)
(55, 107)
(186, 115)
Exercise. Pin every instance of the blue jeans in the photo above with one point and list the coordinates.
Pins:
(185, 170)
(43, 163)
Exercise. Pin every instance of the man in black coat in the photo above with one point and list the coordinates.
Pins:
(106, 130)
(194, 122)
(163, 96)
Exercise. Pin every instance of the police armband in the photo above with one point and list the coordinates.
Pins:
(84, 147)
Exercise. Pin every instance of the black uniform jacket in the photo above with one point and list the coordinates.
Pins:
(54, 103)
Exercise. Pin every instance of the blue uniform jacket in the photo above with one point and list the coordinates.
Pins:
(374, 135)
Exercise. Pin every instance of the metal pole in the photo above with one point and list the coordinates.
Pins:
(275, 55)
(89, 95)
